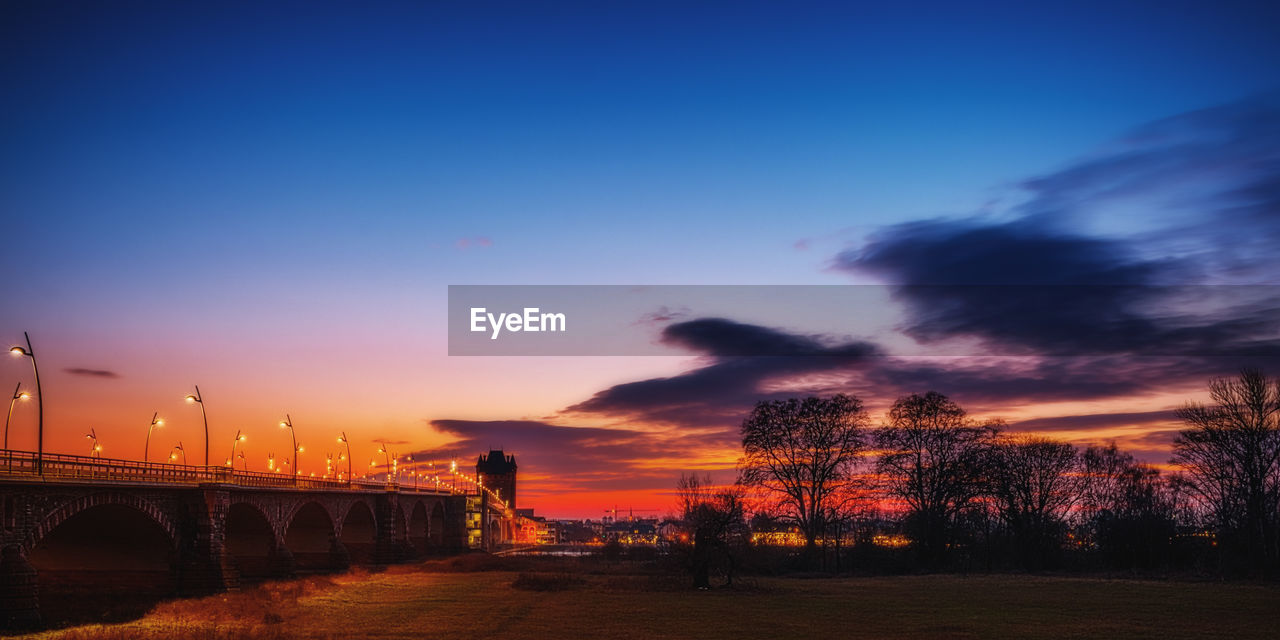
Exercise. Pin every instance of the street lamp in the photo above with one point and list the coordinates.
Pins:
(95, 449)
(146, 449)
(179, 449)
(28, 352)
(199, 399)
(387, 456)
(239, 438)
(245, 461)
(343, 439)
(18, 394)
(288, 424)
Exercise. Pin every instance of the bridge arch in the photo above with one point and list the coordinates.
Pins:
(74, 507)
(359, 532)
(310, 537)
(105, 556)
(250, 541)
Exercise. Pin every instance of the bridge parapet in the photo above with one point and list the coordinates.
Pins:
(71, 468)
(186, 530)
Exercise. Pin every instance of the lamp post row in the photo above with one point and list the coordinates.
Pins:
(196, 398)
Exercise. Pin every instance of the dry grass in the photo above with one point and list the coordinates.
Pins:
(414, 603)
(559, 581)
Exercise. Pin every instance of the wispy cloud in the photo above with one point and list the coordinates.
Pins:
(469, 242)
(92, 373)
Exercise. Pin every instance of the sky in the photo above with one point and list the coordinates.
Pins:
(270, 200)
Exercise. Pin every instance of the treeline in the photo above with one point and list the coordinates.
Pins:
(930, 488)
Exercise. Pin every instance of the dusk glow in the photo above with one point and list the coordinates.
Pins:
(271, 201)
(713, 320)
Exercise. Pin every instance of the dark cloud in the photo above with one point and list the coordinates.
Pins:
(974, 252)
(580, 458)
(996, 382)
(93, 373)
(1204, 193)
(1095, 421)
(1209, 169)
(721, 337)
(720, 392)
(1023, 288)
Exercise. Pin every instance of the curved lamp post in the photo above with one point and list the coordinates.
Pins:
(174, 456)
(18, 394)
(95, 449)
(28, 352)
(343, 439)
(288, 424)
(239, 438)
(387, 455)
(146, 449)
(199, 399)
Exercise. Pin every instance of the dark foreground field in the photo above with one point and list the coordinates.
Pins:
(436, 600)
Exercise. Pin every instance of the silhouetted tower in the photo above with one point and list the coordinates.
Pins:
(498, 472)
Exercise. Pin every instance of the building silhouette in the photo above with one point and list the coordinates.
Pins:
(498, 472)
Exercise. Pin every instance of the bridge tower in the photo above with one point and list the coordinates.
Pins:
(498, 472)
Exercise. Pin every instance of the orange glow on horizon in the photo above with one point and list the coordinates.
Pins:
(640, 468)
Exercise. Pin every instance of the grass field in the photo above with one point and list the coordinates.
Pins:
(416, 602)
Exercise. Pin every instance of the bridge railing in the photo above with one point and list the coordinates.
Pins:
(62, 467)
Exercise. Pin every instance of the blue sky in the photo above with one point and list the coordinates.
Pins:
(325, 134)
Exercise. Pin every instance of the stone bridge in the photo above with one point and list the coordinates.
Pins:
(81, 527)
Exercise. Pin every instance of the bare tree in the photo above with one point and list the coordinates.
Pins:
(1102, 471)
(718, 522)
(1231, 457)
(804, 453)
(933, 458)
(1034, 482)
(1126, 510)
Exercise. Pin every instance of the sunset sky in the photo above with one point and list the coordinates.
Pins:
(271, 199)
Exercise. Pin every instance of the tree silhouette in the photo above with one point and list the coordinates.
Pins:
(718, 522)
(1231, 454)
(804, 453)
(933, 458)
(1126, 509)
(1033, 482)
